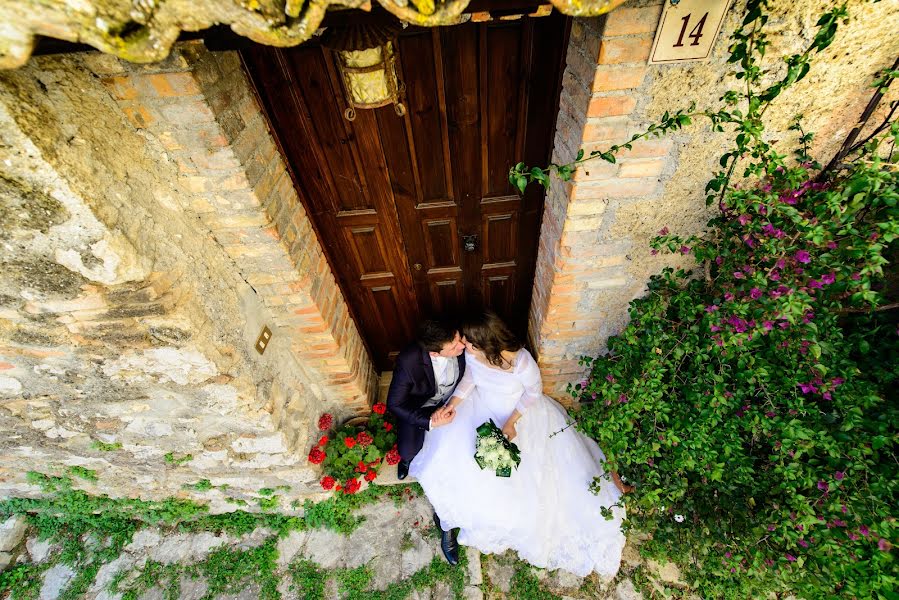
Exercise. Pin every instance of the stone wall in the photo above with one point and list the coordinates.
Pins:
(594, 247)
(148, 230)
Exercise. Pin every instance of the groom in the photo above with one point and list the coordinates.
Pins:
(424, 378)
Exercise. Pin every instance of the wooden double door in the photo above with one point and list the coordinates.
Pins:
(416, 213)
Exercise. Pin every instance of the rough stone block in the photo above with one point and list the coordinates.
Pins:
(11, 533)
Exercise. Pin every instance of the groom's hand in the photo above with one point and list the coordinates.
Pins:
(443, 416)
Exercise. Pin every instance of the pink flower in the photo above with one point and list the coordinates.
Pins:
(711, 308)
(802, 543)
(718, 260)
(622, 398)
(823, 486)
(738, 275)
(828, 278)
(815, 284)
(806, 389)
(771, 528)
(610, 379)
(685, 250)
(790, 557)
(832, 245)
(769, 325)
(839, 475)
(883, 545)
(727, 555)
(802, 256)
(744, 219)
(728, 297)
(780, 264)
(864, 530)
(653, 251)
(856, 276)
(663, 231)
(755, 293)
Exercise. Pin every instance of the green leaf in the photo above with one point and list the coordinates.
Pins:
(521, 183)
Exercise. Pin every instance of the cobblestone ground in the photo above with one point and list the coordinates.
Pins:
(393, 554)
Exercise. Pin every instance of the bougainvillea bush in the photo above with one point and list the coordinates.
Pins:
(752, 400)
(352, 453)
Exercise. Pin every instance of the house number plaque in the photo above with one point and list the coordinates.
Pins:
(687, 30)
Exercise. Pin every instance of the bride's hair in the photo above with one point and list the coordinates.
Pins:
(489, 334)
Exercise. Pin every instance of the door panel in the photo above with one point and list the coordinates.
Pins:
(394, 199)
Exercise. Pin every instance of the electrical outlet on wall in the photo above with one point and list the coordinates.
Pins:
(263, 340)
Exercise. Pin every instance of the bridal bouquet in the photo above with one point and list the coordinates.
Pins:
(493, 451)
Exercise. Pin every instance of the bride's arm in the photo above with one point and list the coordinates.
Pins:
(463, 390)
(533, 389)
(509, 427)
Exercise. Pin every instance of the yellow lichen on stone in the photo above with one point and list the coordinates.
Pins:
(425, 7)
(101, 23)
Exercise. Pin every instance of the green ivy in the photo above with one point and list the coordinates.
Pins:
(105, 447)
(526, 586)
(173, 459)
(83, 473)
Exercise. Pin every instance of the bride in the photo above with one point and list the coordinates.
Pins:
(545, 511)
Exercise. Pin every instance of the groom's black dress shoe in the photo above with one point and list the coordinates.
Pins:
(448, 543)
(402, 470)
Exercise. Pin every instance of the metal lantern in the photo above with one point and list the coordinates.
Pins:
(366, 57)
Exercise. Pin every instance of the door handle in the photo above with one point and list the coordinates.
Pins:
(469, 242)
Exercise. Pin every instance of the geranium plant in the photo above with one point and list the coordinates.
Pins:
(752, 399)
(352, 453)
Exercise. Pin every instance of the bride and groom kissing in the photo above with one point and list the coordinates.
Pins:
(449, 382)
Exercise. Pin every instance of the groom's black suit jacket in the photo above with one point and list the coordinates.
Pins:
(412, 385)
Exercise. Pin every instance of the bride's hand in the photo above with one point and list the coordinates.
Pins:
(509, 430)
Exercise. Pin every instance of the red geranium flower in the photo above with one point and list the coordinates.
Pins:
(325, 422)
(392, 456)
(349, 442)
(316, 456)
(364, 439)
(387, 426)
(370, 476)
(323, 440)
(327, 482)
(361, 467)
(352, 486)
(379, 408)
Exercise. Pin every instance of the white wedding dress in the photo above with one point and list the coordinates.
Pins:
(545, 510)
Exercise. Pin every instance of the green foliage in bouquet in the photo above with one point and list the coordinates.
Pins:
(752, 400)
(354, 452)
(495, 451)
